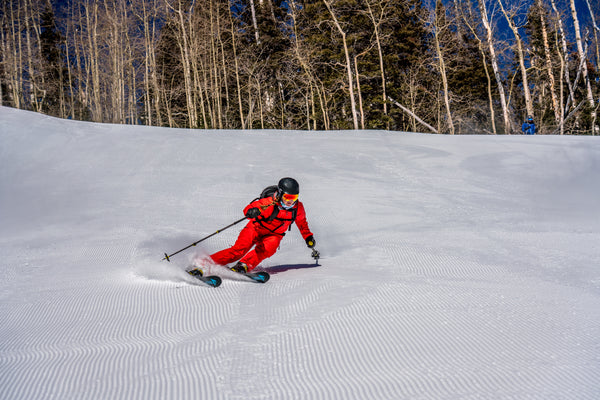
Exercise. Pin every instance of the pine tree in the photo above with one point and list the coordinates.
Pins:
(404, 60)
(53, 67)
(467, 78)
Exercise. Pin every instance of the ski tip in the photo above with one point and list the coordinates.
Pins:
(262, 277)
(213, 281)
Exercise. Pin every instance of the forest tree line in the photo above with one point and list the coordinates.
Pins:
(454, 67)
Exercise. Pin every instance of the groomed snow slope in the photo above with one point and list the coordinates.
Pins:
(452, 267)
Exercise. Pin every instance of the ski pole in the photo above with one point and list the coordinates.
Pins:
(168, 256)
(315, 254)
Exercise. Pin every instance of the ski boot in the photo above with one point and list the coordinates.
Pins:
(240, 267)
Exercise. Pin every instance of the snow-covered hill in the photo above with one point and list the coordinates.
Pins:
(452, 267)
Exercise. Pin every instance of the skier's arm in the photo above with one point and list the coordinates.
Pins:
(302, 224)
(255, 208)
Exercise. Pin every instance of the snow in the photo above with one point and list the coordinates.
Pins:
(458, 267)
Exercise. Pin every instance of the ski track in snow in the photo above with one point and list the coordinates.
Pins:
(477, 281)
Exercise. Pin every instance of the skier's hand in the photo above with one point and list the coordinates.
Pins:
(252, 213)
(310, 241)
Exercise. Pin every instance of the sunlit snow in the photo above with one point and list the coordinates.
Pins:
(453, 267)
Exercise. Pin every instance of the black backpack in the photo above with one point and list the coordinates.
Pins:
(269, 191)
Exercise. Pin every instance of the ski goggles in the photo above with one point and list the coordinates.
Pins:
(289, 198)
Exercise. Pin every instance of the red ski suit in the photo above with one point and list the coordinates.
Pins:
(264, 231)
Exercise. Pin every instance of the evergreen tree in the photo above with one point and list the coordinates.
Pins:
(266, 39)
(467, 78)
(404, 58)
(53, 67)
(403, 44)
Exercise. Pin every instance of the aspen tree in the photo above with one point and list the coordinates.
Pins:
(376, 20)
(582, 54)
(438, 24)
(469, 22)
(342, 33)
(494, 60)
(521, 56)
(548, 60)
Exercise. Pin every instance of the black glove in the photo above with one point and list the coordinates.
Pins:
(252, 213)
(310, 241)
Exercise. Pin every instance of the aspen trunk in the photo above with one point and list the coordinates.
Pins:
(596, 29)
(216, 82)
(10, 57)
(565, 55)
(18, 63)
(348, 64)
(521, 55)
(548, 56)
(237, 71)
(380, 54)
(442, 68)
(150, 80)
(481, 48)
(254, 23)
(494, 61)
(187, 70)
(413, 115)
(582, 55)
(33, 91)
(95, 104)
(224, 70)
(360, 104)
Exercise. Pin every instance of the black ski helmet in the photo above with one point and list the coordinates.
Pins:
(289, 186)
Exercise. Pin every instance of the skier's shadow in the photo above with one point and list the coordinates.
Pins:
(287, 267)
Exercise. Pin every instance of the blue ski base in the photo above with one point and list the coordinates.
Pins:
(260, 277)
(211, 280)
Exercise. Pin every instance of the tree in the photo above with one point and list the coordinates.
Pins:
(342, 32)
(510, 16)
(542, 56)
(582, 54)
(440, 25)
(405, 48)
(491, 43)
(52, 66)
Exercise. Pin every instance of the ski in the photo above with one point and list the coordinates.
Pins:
(260, 277)
(211, 280)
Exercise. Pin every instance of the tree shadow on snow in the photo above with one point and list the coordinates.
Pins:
(287, 267)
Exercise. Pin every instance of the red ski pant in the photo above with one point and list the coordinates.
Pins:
(265, 242)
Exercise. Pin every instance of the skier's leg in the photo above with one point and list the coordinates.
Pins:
(244, 242)
(265, 248)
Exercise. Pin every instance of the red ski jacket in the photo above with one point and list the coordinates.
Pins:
(277, 219)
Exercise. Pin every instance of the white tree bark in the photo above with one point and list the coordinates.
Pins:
(412, 114)
(480, 46)
(348, 63)
(253, 11)
(441, 64)
(548, 57)
(582, 54)
(376, 22)
(521, 55)
(494, 61)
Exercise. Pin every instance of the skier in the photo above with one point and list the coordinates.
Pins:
(528, 126)
(270, 218)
